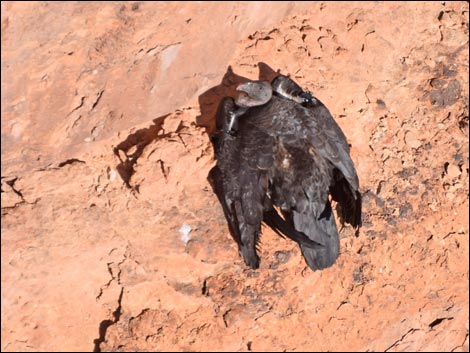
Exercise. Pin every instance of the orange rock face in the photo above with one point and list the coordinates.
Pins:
(112, 238)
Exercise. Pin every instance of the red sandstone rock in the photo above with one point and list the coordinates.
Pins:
(106, 110)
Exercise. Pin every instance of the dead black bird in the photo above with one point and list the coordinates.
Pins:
(283, 149)
(239, 185)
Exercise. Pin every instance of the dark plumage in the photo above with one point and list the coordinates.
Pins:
(290, 153)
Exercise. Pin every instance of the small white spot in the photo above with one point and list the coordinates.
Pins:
(185, 230)
(286, 162)
(112, 175)
(16, 129)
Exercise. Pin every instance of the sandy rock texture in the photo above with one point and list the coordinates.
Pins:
(112, 238)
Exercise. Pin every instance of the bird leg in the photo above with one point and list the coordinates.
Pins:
(232, 125)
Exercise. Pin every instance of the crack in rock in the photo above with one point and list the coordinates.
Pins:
(98, 97)
(104, 325)
(410, 331)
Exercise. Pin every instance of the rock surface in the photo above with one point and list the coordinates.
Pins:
(106, 113)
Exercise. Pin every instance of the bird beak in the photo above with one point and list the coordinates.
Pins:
(244, 87)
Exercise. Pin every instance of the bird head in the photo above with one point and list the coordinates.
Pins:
(253, 94)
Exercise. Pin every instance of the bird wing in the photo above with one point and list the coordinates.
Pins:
(240, 179)
(329, 140)
(345, 188)
(222, 177)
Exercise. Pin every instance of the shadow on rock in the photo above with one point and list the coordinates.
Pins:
(129, 150)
